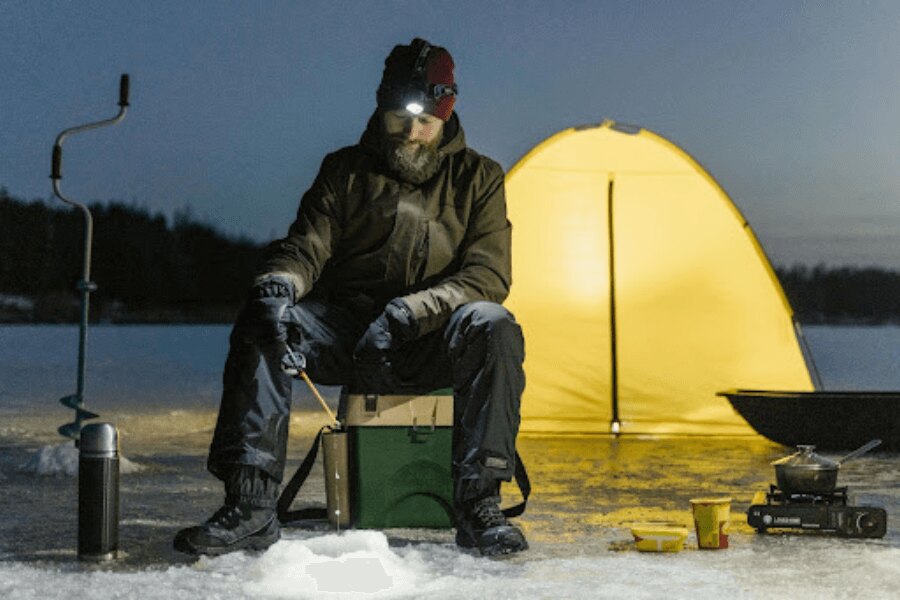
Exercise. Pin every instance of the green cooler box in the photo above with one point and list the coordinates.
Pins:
(400, 455)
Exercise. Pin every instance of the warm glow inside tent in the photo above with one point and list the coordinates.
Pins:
(641, 290)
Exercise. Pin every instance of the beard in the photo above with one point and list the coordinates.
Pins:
(415, 162)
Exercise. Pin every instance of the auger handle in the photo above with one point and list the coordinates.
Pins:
(55, 169)
(123, 90)
(56, 164)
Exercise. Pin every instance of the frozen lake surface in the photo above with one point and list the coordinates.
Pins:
(160, 386)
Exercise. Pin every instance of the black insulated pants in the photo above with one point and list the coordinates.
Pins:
(479, 353)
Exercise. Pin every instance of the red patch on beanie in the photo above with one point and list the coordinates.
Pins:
(440, 71)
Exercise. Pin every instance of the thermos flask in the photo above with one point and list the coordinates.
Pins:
(98, 492)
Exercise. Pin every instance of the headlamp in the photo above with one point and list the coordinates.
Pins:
(416, 99)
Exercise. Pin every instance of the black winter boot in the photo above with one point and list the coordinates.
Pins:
(231, 528)
(481, 524)
(247, 521)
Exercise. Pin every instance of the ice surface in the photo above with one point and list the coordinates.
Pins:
(128, 367)
(857, 358)
(362, 564)
(160, 385)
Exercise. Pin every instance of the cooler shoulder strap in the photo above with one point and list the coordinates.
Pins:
(290, 491)
(524, 484)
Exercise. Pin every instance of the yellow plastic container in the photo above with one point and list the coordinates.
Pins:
(659, 537)
(711, 519)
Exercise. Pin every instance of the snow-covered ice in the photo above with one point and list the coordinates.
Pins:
(362, 564)
(160, 386)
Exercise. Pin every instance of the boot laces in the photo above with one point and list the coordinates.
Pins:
(487, 511)
(228, 516)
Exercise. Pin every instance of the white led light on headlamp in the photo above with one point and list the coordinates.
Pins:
(414, 108)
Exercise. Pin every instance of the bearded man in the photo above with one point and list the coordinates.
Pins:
(390, 279)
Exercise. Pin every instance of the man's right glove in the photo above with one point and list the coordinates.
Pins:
(263, 315)
(293, 362)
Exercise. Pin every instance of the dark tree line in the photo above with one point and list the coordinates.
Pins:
(843, 294)
(147, 269)
(150, 270)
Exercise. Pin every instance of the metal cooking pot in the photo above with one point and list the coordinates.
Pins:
(806, 472)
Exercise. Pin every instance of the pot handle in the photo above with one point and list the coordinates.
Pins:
(860, 451)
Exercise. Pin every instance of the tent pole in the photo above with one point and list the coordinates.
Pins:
(614, 425)
(808, 355)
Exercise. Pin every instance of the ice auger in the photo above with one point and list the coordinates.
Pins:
(85, 286)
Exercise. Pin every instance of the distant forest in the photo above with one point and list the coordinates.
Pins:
(147, 269)
(152, 271)
(848, 295)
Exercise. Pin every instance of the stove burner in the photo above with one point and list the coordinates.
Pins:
(827, 513)
(777, 496)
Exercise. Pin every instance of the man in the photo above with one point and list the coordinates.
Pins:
(389, 280)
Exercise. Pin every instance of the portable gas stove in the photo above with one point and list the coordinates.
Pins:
(828, 513)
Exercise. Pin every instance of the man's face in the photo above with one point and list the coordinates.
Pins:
(410, 144)
(416, 130)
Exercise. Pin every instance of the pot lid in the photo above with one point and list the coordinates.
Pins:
(805, 458)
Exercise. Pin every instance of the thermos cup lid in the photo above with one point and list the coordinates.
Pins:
(99, 440)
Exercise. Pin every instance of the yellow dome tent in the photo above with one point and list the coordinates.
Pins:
(637, 326)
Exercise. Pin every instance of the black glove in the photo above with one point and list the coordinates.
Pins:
(293, 362)
(263, 317)
(393, 327)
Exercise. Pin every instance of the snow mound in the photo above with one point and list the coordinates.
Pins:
(355, 563)
(62, 459)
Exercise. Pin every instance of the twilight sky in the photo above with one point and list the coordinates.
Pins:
(794, 107)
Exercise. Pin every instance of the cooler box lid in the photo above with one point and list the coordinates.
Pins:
(379, 410)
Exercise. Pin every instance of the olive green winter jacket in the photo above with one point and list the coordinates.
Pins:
(363, 236)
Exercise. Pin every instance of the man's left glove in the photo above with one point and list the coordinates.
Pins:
(393, 327)
(264, 312)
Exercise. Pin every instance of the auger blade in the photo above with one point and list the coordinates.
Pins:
(70, 430)
(83, 415)
(73, 430)
(73, 401)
